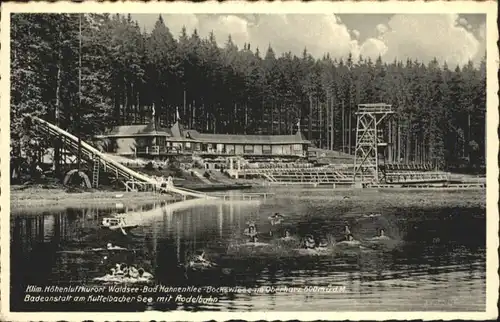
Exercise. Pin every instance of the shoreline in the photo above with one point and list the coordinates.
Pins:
(53, 199)
(38, 200)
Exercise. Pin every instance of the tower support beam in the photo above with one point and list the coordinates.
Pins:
(370, 141)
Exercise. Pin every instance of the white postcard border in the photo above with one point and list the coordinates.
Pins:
(487, 7)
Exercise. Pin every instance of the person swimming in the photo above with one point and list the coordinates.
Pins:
(251, 231)
(381, 235)
(254, 239)
(372, 215)
(143, 274)
(125, 269)
(200, 256)
(133, 272)
(110, 246)
(323, 243)
(309, 242)
(276, 218)
(287, 235)
(251, 228)
(117, 271)
(199, 260)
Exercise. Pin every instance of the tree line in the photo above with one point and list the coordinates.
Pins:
(89, 72)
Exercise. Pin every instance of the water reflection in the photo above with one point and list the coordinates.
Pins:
(434, 261)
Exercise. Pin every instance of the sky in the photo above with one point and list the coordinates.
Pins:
(453, 38)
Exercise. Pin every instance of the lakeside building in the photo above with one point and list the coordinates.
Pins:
(154, 142)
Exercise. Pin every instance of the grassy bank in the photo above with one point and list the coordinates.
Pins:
(387, 197)
(55, 198)
(39, 199)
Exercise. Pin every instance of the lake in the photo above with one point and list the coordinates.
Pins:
(435, 259)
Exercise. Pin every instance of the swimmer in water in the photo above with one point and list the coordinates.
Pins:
(143, 274)
(251, 228)
(372, 215)
(197, 260)
(110, 246)
(276, 218)
(118, 270)
(125, 269)
(200, 256)
(251, 231)
(309, 242)
(133, 272)
(323, 243)
(287, 234)
(253, 239)
(381, 235)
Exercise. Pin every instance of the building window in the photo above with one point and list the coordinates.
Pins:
(266, 149)
(238, 149)
(160, 141)
(188, 145)
(277, 149)
(230, 149)
(248, 149)
(297, 147)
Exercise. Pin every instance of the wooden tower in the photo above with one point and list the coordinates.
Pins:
(370, 144)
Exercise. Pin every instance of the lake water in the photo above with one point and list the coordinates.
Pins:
(434, 261)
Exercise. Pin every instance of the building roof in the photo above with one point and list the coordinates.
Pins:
(138, 130)
(296, 138)
(179, 133)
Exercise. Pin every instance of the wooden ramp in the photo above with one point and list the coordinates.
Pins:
(100, 160)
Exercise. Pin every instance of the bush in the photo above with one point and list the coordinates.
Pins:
(149, 166)
(197, 164)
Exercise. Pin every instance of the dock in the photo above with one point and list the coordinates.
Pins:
(245, 196)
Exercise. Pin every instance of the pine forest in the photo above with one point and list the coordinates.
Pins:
(87, 73)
